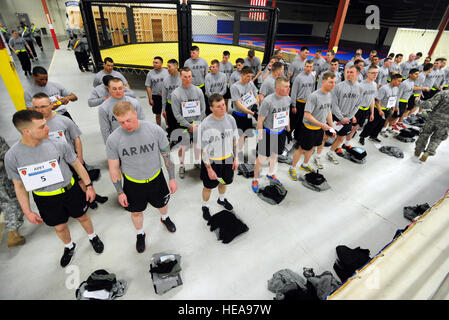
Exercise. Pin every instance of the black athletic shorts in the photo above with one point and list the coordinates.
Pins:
(227, 95)
(362, 115)
(411, 102)
(402, 108)
(244, 123)
(57, 209)
(271, 143)
(311, 138)
(223, 169)
(155, 192)
(157, 104)
(345, 129)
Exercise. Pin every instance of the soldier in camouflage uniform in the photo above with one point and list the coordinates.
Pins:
(8, 202)
(436, 127)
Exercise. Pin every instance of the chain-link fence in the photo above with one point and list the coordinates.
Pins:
(229, 28)
(133, 33)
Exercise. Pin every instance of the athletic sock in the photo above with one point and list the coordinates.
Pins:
(92, 236)
(284, 153)
(206, 204)
(69, 245)
(164, 216)
(221, 196)
(140, 231)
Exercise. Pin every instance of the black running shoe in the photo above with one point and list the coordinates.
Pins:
(97, 244)
(140, 243)
(169, 224)
(67, 256)
(362, 141)
(206, 213)
(225, 204)
(100, 199)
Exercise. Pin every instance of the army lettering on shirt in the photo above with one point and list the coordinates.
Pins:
(302, 87)
(319, 104)
(369, 90)
(199, 69)
(169, 84)
(382, 76)
(296, 67)
(255, 64)
(154, 80)
(138, 151)
(18, 43)
(346, 98)
(227, 69)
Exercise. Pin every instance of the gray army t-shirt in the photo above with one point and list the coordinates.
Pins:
(138, 151)
(384, 93)
(199, 69)
(319, 104)
(271, 107)
(97, 96)
(70, 130)
(215, 83)
(169, 85)
(227, 68)
(181, 95)
(238, 90)
(20, 156)
(154, 80)
(217, 137)
(268, 86)
(369, 90)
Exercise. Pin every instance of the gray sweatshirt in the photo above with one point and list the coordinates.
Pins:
(97, 96)
(216, 83)
(182, 95)
(302, 87)
(169, 84)
(346, 98)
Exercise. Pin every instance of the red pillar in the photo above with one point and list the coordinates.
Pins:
(441, 28)
(338, 24)
(50, 24)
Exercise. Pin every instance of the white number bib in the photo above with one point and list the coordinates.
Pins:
(280, 119)
(41, 175)
(391, 102)
(57, 135)
(248, 99)
(191, 109)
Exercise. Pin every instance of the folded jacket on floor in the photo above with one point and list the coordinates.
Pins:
(392, 151)
(228, 225)
(324, 284)
(349, 260)
(273, 193)
(162, 285)
(285, 280)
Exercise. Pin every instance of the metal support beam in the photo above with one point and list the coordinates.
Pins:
(91, 32)
(271, 35)
(441, 28)
(131, 24)
(184, 32)
(235, 36)
(338, 24)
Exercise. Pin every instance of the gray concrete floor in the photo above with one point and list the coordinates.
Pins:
(363, 208)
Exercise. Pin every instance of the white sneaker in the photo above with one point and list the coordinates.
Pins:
(317, 162)
(384, 134)
(331, 156)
